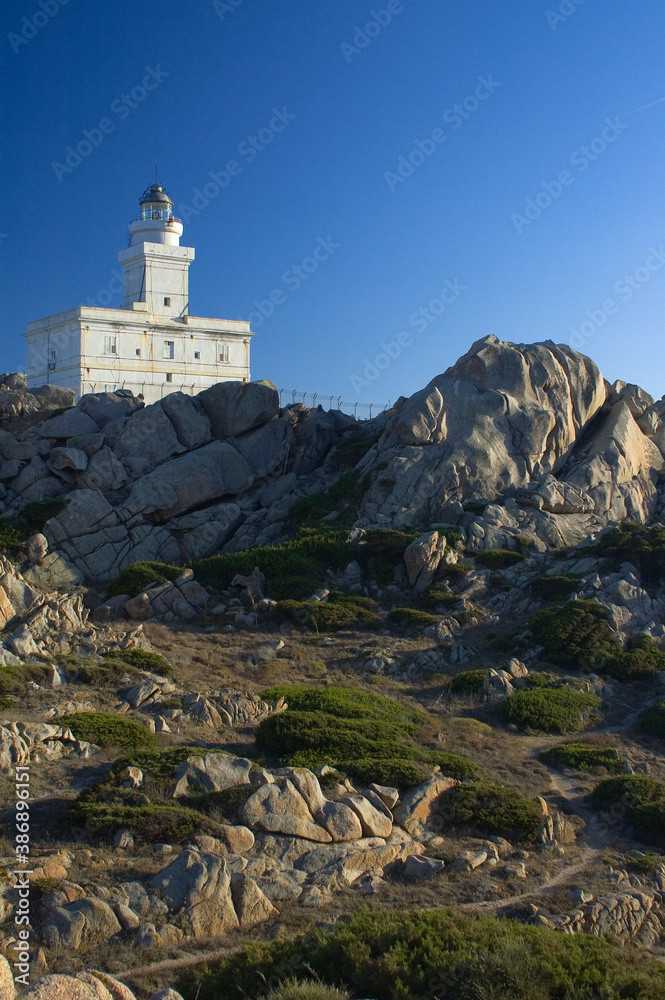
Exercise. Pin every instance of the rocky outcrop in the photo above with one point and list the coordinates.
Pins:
(533, 431)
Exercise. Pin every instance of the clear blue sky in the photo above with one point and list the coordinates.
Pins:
(349, 112)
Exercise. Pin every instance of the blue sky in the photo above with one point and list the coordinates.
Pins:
(534, 210)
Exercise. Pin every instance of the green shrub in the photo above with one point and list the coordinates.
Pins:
(412, 954)
(345, 496)
(139, 575)
(554, 588)
(225, 803)
(367, 736)
(639, 800)
(156, 823)
(106, 674)
(498, 558)
(574, 634)
(108, 730)
(475, 506)
(486, 810)
(411, 617)
(157, 763)
(351, 449)
(581, 757)
(639, 662)
(652, 720)
(538, 680)
(341, 609)
(6, 702)
(141, 659)
(436, 597)
(468, 682)
(635, 543)
(15, 677)
(293, 569)
(550, 710)
(303, 989)
(15, 531)
(381, 550)
(454, 571)
(345, 703)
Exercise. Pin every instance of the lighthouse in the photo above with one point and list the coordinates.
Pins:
(152, 345)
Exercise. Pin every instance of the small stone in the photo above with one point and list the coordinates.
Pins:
(123, 840)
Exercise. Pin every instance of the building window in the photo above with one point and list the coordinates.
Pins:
(138, 352)
(169, 349)
(54, 355)
(169, 377)
(111, 345)
(167, 300)
(197, 355)
(224, 354)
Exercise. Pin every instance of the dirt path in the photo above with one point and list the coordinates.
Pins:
(564, 785)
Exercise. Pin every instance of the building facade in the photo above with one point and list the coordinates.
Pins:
(152, 345)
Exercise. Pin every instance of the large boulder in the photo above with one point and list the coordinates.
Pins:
(503, 415)
(198, 885)
(191, 424)
(213, 773)
(213, 471)
(104, 407)
(145, 440)
(272, 809)
(80, 925)
(234, 408)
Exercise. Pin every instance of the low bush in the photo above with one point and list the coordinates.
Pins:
(351, 449)
(498, 558)
(581, 757)
(411, 617)
(155, 763)
(14, 677)
(345, 703)
(341, 609)
(293, 569)
(304, 989)
(223, 805)
(468, 682)
(156, 823)
(550, 710)
(638, 662)
(108, 730)
(487, 810)
(367, 736)
(107, 674)
(637, 799)
(575, 634)
(141, 659)
(344, 495)
(15, 531)
(635, 543)
(652, 720)
(436, 597)
(381, 550)
(139, 575)
(411, 954)
(554, 588)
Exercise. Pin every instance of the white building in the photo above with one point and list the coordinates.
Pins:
(151, 345)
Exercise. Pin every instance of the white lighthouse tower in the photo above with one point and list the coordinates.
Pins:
(156, 266)
(152, 345)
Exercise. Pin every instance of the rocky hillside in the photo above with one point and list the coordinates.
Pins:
(533, 431)
(302, 697)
